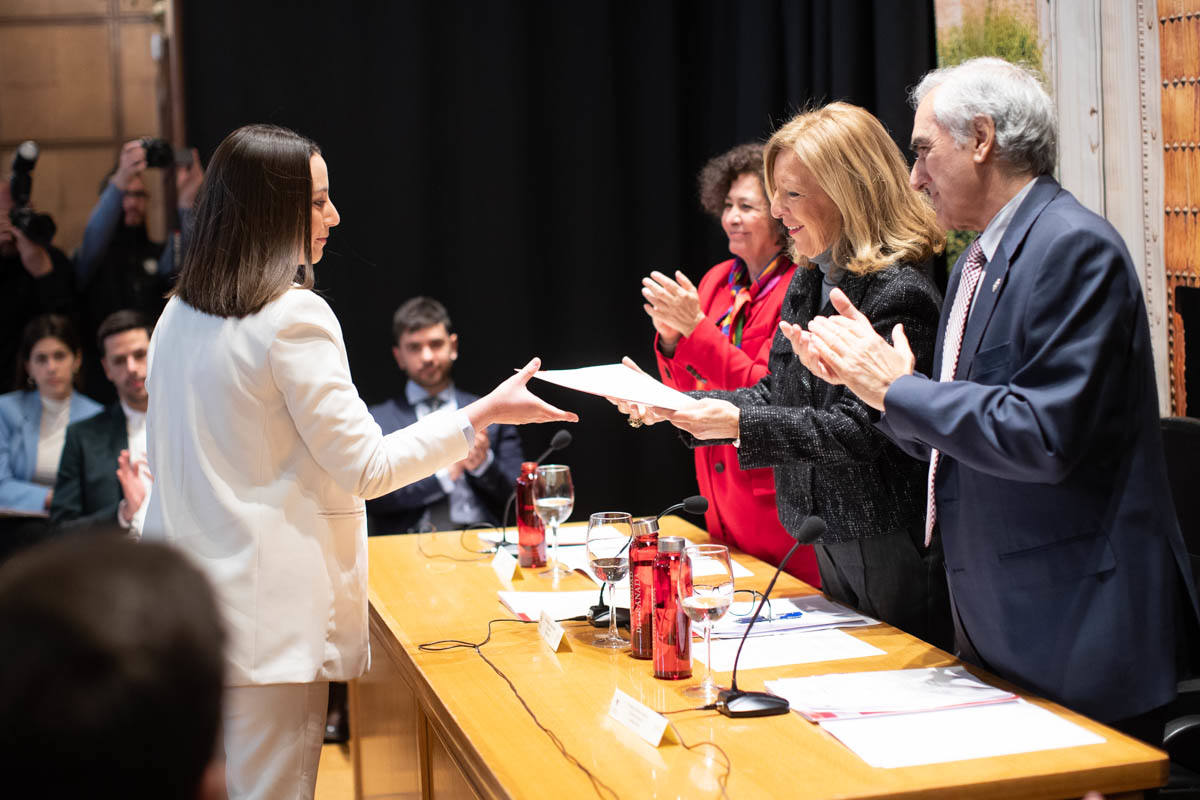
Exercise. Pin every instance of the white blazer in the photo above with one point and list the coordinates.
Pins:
(262, 451)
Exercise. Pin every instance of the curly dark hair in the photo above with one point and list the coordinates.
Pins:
(721, 171)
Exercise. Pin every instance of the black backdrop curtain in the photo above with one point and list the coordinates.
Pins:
(528, 162)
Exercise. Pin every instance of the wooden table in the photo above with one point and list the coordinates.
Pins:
(446, 725)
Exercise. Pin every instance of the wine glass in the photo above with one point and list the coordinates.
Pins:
(553, 499)
(608, 536)
(705, 598)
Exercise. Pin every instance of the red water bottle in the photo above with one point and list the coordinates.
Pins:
(531, 535)
(642, 553)
(672, 628)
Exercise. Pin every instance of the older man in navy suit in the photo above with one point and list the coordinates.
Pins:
(1040, 420)
(472, 492)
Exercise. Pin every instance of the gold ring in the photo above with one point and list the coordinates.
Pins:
(635, 423)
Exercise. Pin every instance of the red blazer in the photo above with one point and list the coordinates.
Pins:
(741, 509)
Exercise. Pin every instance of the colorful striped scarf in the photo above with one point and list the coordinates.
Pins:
(743, 291)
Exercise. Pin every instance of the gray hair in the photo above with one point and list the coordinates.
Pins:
(1013, 97)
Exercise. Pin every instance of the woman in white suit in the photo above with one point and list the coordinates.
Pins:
(262, 451)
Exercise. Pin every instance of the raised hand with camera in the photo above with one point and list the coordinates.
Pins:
(35, 277)
(130, 164)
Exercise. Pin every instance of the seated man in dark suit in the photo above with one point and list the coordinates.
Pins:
(103, 479)
(104, 704)
(470, 492)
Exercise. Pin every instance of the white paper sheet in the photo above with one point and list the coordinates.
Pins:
(558, 605)
(710, 566)
(619, 381)
(935, 737)
(576, 558)
(855, 694)
(785, 648)
(572, 534)
(815, 612)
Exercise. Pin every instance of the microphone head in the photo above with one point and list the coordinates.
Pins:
(560, 440)
(696, 504)
(811, 529)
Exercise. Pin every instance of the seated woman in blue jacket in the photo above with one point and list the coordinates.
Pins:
(33, 421)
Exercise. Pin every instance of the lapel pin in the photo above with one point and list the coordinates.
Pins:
(995, 286)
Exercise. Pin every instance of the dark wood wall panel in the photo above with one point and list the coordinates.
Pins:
(1179, 49)
(78, 77)
(56, 82)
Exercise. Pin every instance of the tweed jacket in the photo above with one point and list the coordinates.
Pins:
(828, 456)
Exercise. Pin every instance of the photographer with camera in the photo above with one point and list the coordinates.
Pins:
(118, 265)
(35, 277)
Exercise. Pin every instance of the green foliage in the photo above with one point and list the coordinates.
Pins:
(992, 32)
(956, 243)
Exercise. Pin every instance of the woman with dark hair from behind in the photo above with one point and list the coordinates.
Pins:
(718, 335)
(33, 422)
(262, 451)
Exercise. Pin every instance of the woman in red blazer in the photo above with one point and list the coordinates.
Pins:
(718, 336)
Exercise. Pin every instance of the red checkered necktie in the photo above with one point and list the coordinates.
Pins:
(951, 349)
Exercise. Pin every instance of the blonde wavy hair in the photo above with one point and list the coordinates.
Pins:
(857, 164)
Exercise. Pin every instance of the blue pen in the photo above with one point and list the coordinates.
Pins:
(788, 615)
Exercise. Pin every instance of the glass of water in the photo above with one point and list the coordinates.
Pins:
(553, 500)
(705, 598)
(608, 537)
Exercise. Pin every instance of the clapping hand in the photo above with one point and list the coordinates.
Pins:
(129, 475)
(673, 306)
(846, 349)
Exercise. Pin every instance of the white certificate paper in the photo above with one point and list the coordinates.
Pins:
(617, 381)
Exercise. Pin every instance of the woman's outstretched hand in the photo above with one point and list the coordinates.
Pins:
(511, 403)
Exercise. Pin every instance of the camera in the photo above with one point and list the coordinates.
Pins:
(159, 154)
(38, 228)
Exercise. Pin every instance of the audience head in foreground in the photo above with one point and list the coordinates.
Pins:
(112, 675)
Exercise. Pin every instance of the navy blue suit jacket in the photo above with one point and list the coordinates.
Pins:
(87, 492)
(401, 510)
(1062, 548)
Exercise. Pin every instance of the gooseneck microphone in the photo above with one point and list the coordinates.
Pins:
(560, 440)
(696, 504)
(733, 702)
(598, 615)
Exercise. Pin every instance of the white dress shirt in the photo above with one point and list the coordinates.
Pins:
(464, 505)
(52, 433)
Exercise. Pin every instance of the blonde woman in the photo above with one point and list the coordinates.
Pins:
(839, 184)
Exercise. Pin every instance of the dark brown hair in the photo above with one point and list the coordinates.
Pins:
(721, 171)
(417, 314)
(47, 326)
(113, 670)
(252, 214)
(119, 322)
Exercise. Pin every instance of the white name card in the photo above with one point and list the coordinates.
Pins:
(506, 567)
(552, 633)
(647, 723)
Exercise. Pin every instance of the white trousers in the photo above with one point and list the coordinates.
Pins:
(272, 738)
